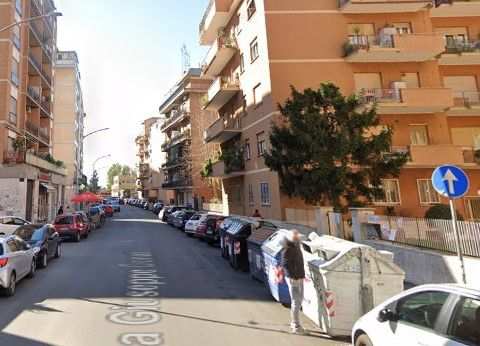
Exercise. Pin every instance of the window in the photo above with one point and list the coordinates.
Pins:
(421, 309)
(418, 134)
(12, 116)
(254, 54)
(257, 98)
(14, 73)
(466, 321)
(251, 8)
(265, 193)
(251, 200)
(248, 150)
(427, 193)
(242, 63)
(391, 190)
(261, 145)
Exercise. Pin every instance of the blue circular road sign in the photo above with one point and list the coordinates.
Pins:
(450, 181)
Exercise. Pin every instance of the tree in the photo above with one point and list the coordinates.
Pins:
(94, 186)
(331, 150)
(117, 169)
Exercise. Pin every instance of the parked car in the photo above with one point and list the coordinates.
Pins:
(8, 224)
(85, 220)
(44, 240)
(17, 260)
(193, 223)
(212, 229)
(145, 205)
(165, 212)
(71, 226)
(116, 207)
(426, 315)
(97, 216)
(172, 216)
(182, 218)
(202, 228)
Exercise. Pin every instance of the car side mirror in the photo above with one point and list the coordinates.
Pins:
(387, 315)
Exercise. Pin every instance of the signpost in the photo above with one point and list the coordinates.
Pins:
(453, 183)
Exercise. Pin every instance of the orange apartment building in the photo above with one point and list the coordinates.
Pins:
(31, 182)
(184, 129)
(418, 62)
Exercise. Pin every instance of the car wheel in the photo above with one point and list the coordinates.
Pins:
(44, 260)
(363, 340)
(58, 251)
(10, 290)
(33, 268)
(78, 237)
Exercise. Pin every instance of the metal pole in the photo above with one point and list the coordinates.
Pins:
(457, 240)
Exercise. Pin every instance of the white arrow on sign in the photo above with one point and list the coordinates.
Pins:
(451, 179)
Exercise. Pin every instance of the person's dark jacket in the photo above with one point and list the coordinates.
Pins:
(292, 260)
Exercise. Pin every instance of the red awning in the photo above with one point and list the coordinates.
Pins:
(86, 197)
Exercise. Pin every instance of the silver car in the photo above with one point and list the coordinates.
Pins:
(17, 260)
(8, 224)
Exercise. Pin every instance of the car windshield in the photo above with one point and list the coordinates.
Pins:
(30, 233)
(64, 220)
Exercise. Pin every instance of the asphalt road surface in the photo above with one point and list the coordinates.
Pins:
(190, 295)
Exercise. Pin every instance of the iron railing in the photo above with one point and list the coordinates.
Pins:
(433, 234)
(467, 98)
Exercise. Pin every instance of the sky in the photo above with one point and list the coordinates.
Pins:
(130, 56)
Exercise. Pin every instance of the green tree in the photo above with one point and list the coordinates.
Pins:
(117, 169)
(325, 151)
(94, 183)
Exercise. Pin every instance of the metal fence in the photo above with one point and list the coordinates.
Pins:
(430, 234)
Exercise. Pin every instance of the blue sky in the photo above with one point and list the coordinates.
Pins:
(130, 56)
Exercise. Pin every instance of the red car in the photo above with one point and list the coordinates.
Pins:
(207, 228)
(72, 226)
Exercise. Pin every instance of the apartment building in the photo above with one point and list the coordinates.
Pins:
(418, 61)
(31, 180)
(184, 128)
(150, 160)
(124, 186)
(68, 124)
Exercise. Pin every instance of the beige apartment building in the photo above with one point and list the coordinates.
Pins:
(124, 186)
(31, 180)
(187, 154)
(150, 158)
(68, 124)
(420, 64)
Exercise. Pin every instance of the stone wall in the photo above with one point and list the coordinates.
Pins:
(13, 194)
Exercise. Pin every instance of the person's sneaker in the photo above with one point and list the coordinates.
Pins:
(297, 330)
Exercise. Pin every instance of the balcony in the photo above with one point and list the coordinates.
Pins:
(439, 154)
(32, 128)
(390, 47)
(13, 157)
(44, 135)
(408, 101)
(34, 93)
(215, 17)
(461, 53)
(458, 8)
(176, 140)
(223, 130)
(12, 118)
(382, 6)
(220, 92)
(176, 117)
(41, 163)
(178, 183)
(465, 103)
(219, 55)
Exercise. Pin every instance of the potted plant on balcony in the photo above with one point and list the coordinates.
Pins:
(207, 169)
(233, 158)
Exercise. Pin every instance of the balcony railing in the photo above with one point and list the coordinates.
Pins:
(221, 52)
(462, 46)
(223, 129)
(44, 135)
(177, 183)
(13, 157)
(46, 106)
(175, 140)
(35, 63)
(175, 117)
(33, 93)
(466, 99)
(380, 95)
(221, 91)
(32, 128)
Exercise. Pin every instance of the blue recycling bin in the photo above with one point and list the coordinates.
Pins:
(272, 252)
(255, 254)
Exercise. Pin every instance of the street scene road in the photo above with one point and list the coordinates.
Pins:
(83, 297)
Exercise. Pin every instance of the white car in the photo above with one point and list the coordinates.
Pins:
(429, 315)
(17, 260)
(194, 222)
(9, 224)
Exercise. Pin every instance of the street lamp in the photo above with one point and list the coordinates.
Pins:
(28, 20)
(96, 131)
(100, 158)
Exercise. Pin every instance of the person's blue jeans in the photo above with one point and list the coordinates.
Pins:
(296, 294)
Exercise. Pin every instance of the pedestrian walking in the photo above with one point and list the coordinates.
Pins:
(293, 271)
(60, 210)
